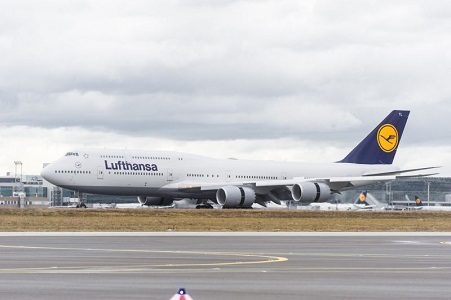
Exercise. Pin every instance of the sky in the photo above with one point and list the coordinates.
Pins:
(267, 80)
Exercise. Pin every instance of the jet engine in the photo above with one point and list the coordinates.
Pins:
(155, 201)
(308, 192)
(235, 197)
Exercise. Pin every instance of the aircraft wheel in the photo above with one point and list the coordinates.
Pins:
(204, 206)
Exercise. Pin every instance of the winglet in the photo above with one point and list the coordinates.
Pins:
(379, 147)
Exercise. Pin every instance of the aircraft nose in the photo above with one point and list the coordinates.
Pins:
(47, 172)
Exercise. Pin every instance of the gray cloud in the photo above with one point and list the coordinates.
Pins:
(227, 70)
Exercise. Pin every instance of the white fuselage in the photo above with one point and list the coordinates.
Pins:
(179, 175)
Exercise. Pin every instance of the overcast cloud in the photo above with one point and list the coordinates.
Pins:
(289, 80)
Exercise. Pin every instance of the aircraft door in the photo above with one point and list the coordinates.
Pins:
(99, 172)
(170, 177)
(283, 176)
(228, 176)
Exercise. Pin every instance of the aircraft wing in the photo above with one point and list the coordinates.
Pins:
(364, 207)
(301, 189)
(265, 186)
(335, 183)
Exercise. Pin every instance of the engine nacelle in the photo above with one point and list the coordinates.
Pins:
(235, 197)
(155, 201)
(308, 192)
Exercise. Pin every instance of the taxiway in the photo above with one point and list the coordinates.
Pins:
(225, 265)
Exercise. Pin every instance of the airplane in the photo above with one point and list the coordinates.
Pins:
(158, 178)
(360, 204)
(437, 207)
(417, 204)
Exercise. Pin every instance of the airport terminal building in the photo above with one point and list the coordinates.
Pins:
(23, 191)
(34, 191)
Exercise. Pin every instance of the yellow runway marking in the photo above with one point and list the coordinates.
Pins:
(259, 259)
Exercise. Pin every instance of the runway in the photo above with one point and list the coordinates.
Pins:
(225, 265)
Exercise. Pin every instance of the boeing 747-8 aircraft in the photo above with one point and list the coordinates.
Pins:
(161, 177)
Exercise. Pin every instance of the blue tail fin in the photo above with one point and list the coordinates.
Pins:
(418, 201)
(362, 199)
(379, 147)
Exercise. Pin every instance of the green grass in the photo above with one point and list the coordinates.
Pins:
(136, 220)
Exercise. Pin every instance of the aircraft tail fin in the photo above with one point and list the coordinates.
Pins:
(379, 147)
(362, 199)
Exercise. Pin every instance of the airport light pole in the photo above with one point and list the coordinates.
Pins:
(18, 186)
(429, 185)
(17, 162)
(388, 193)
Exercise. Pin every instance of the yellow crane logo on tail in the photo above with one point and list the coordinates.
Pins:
(387, 138)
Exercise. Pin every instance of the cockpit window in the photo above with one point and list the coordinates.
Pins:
(71, 154)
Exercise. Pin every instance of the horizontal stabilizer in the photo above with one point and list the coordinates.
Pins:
(401, 171)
